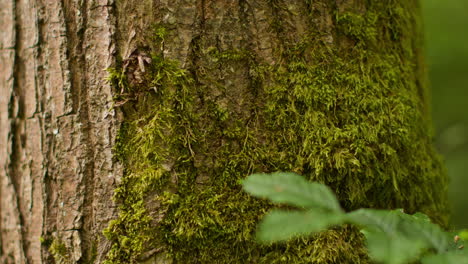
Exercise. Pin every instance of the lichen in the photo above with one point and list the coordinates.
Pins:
(349, 115)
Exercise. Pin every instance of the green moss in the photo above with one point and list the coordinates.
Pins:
(60, 252)
(116, 77)
(362, 28)
(45, 241)
(160, 33)
(228, 55)
(349, 115)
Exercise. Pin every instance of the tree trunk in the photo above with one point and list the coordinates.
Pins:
(141, 163)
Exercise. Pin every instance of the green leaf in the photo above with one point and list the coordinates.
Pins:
(293, 189)
(393, 237)
(393, 249)
(415, 227)
(385, 242)
(419, 226)
(386, 221)
(281, 225)
(401, 227)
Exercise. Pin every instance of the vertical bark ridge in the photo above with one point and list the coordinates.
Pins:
(44, 120)
(28, 156)
(24, 154)
(99, 183)
(57, 129)
(87, 233)
(62, 171)
(14, 246)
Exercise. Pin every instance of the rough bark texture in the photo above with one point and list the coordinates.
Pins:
(57, 128)
(204, 93)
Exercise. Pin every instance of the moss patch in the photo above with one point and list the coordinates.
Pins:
(60, 252)
(349, 115)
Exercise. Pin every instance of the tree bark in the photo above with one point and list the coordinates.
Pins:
(141, 163)
(57, 127)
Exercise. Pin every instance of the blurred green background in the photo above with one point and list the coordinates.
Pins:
(446, 25)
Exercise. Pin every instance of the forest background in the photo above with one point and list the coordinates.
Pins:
(446, 24)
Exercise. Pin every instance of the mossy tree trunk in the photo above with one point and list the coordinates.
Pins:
(198, 95)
